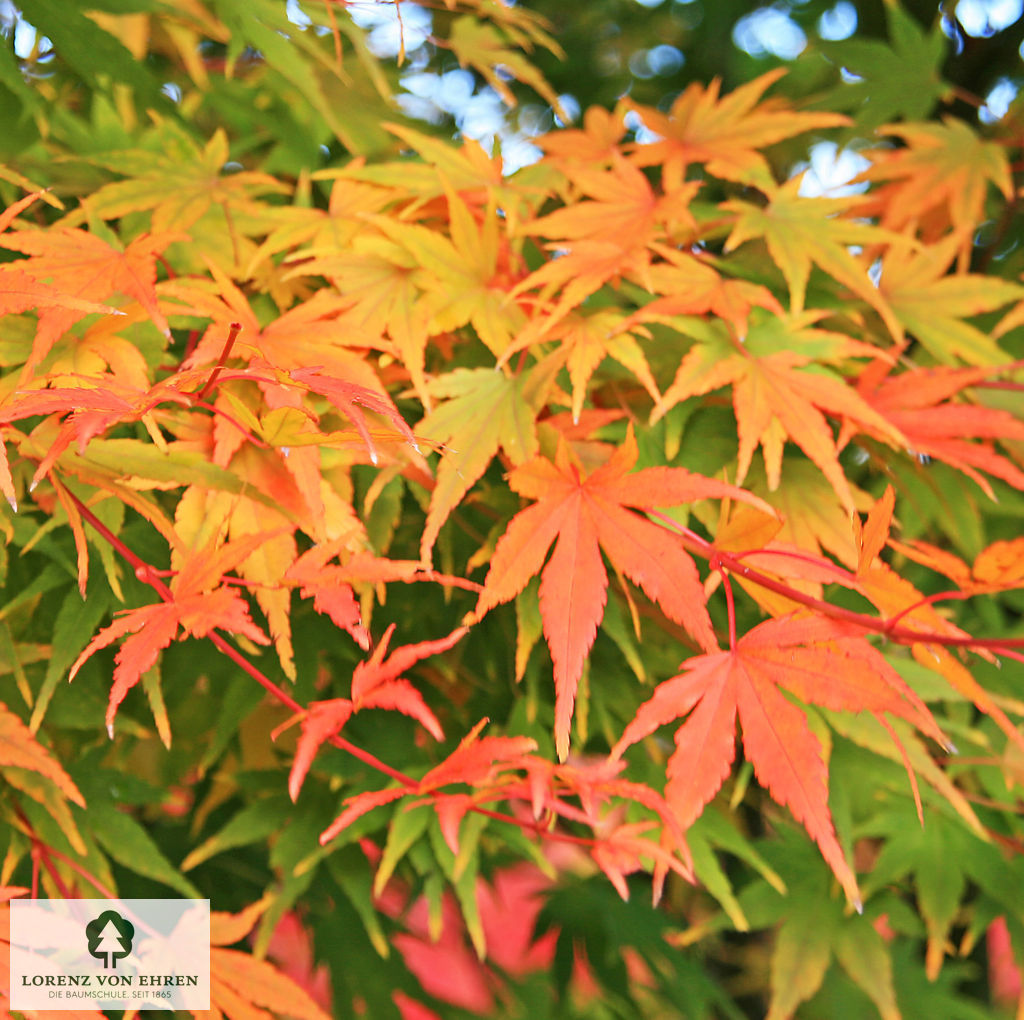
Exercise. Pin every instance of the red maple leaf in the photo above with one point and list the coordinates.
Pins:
(821, 661)
(199, 605)
(586, 515)
(376, 683)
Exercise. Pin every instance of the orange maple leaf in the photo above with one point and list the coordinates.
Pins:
(998, 567)
(376, 683)
(20, 749)
(245, 988)
(725, 134)
(200, 605)
(585, 515)
(920, 405)
(822, 662)
(477, 762)
(85, 266)
(779, 393)
(942, 170)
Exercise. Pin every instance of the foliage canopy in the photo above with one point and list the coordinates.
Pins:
(426, 542)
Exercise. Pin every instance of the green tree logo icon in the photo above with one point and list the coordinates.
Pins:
(110, 937)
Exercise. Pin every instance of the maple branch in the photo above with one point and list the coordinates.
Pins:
(150, 575)
(901, 635)
(234, 330)
(40, 856)
(993, 385)
(84, 872)
(930, 600)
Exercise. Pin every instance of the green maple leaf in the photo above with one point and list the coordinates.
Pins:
(899, 79)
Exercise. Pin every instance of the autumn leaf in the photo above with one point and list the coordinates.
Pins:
(584, 342)
(20, 749)
(198, 603)
(320, 229)
(922, 405)
(819, 660)
(484, 411)
(476, 761)
(778, 393)
(596, 142)
(724, 133)
(874, 533)
(620, 205)
(243, 987)
(690, 285)
(376, 683)
(800, 232)
(943, 169)
(997, 567)
(484, 46)
(934, 306)
(606, 235)
(20, 292)
(586, 515)
(177, 185)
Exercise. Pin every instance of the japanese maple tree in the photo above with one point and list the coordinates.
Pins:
(592, 588)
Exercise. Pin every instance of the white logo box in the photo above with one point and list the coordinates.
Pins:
(110, 954)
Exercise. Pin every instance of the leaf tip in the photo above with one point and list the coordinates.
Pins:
(110, 730)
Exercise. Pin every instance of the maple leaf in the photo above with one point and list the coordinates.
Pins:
(484, 47)
(585, 515)
(801, 231)
(778, 393)
(584, 342)
(332, 228)
(376, 683)
(82, 264)
(998, 567)
(330, 589)
(475, 762)
(460, 280)
(724, 134)
(375, 278)
(484, 411)
(621, 206)
(20, 291)
(899, 78)
(196, 605)
(468, 169)
(933, 306)
(819, 660)
(91, 409)
(596, 142)
(690, 285)
(243, 987)
(579, 272)
(942, 169)
(920, 405)
(20, 749)
(178, 182)
(308, 335)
